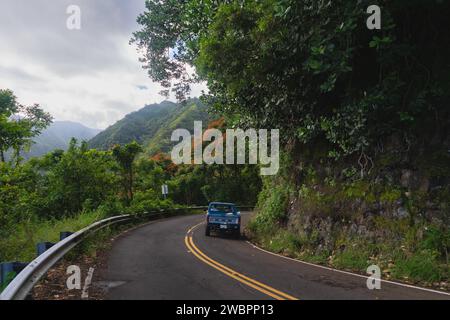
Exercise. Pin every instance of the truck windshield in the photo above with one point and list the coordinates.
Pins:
(221, 208)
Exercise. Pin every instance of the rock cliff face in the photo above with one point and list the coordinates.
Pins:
(361, 216)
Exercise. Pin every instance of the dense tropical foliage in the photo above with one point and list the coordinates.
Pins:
(309, 67)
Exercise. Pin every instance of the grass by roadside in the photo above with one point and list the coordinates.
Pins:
(421, 267)
(20, 245)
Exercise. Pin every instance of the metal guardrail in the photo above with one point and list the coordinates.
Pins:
(23, 283)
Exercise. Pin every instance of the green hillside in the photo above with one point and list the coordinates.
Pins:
(152, 126)
(184, 117)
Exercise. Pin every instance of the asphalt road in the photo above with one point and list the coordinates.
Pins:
(173, 259)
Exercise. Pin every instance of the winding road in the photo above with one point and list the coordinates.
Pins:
(173, 259)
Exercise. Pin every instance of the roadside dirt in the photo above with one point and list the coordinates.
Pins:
(54, 285)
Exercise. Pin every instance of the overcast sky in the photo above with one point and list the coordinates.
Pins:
(91, 76)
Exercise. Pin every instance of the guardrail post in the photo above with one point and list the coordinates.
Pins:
(8, 270)
(43, 246)
(64, 234)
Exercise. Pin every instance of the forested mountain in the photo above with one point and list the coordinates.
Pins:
(152, 126)
(57, 136)
(183, 117)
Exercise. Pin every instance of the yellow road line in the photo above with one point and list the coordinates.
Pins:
(285, 295)
(230, 274)
(192, 228)
(272, 292)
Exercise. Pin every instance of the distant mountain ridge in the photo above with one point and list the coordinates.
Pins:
(152, 126)
(58, 136)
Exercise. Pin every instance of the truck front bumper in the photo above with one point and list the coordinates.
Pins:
(224, 227)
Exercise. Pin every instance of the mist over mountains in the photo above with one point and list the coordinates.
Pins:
(58, 136)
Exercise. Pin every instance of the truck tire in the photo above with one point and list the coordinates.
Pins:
(207, 231)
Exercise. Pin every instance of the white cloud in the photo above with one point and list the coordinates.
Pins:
(91, 76)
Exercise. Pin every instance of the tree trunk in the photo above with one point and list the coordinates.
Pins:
(2, 156)
(131, 185)
(17, 156)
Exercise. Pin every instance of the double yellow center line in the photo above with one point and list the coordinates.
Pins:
(261, 287)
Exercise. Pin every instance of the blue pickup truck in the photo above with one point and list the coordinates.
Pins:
(223, 217)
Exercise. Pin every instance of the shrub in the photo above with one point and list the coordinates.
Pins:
(421, 265)
(272, 206)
